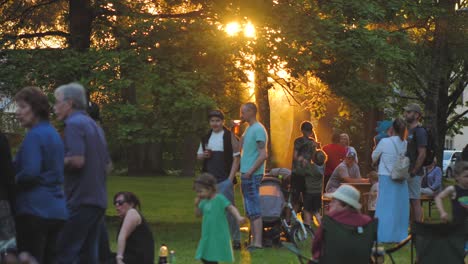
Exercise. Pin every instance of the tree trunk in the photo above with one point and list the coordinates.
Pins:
(261, 97)
(80, 24)
(370, 123)
(437, 94)
(189, 162)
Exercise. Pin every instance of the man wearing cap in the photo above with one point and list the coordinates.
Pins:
(416, 151)
(346, 171)
(345, 209)
(219, 150)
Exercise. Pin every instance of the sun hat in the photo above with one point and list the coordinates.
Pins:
(347, 194)
(413, 107)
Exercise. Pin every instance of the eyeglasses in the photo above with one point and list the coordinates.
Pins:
(119, 202)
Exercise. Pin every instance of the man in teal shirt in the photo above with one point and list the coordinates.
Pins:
(252, 167)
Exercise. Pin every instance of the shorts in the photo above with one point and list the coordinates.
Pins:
(312, 202)
(414, 187)
(251, 192)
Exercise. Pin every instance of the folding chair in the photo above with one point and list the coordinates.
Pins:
(348, 244)
(344, 244)
(439, 243)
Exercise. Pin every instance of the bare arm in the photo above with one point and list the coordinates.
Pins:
(233, 210)
(345, 177)
(131, 221)
(236, 157)
(198, 212)
(109, 167)
(261, 147)
(448, 192)
(74, 162)
(200, 153)
(419, 160)
(353, 180)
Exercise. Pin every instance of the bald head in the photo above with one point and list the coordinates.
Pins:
(249, 112)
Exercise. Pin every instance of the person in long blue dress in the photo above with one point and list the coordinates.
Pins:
(392, 209)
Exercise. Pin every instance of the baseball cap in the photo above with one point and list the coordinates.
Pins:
(351, 154)
(413, 107)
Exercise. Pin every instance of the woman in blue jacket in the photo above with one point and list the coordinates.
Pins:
(40, 201)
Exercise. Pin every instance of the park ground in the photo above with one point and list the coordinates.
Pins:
(167, 204)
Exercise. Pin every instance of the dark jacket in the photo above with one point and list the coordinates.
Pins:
(228, 150)
(7, 173)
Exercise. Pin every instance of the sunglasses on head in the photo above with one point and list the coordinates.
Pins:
(119, 202)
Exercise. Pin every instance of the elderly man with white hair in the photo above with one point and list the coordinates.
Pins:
(86, 165)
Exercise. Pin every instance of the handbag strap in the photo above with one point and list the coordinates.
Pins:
(395, 146)
(396, 150)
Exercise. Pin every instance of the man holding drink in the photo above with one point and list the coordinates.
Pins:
(219, 150)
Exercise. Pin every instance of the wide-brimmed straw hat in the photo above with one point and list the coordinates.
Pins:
(347, 194)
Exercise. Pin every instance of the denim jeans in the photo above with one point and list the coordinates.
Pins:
(251, 192)
(226, 188)
(78, 242)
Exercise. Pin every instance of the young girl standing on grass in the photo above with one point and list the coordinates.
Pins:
(458, 193)
(215, 241)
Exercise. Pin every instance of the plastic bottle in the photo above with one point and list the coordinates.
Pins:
(172, 258)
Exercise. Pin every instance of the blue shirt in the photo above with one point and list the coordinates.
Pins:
(434, 179)
(83, 137)
(39, 174)
(253, 134)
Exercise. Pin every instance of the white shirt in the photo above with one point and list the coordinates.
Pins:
(216, 143)
(388, 150)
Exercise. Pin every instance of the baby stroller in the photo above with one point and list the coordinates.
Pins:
(272, 203)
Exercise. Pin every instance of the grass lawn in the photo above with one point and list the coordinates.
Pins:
(167, 203)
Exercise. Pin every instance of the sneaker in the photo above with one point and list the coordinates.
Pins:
(236, 245)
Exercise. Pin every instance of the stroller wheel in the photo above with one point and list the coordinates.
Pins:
(302, 239)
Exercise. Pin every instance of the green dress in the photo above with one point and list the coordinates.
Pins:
(215, 241)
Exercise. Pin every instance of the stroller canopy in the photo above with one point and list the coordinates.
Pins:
(271, 198)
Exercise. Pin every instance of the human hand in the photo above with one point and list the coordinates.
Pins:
(197, 200)
(119, 259)
(247, 175)
(207, 154)
(242, 220)
(444, 216)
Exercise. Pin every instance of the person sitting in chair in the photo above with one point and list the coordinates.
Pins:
(344, 208)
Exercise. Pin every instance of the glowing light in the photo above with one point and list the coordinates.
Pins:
(233, 28)
(249, 30)
(251, 83)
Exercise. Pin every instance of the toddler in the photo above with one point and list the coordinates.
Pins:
(215, 241)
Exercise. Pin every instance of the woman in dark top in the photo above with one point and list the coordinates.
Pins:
(40, 209)
(7, 180)
(135, 243)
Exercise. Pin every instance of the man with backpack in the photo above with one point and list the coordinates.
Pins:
(417, 151)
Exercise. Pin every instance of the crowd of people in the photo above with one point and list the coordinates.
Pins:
(53, 194)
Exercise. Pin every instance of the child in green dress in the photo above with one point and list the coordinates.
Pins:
(215, 241)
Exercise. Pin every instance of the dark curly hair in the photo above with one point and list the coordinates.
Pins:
(129, 198)
(35, 98)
